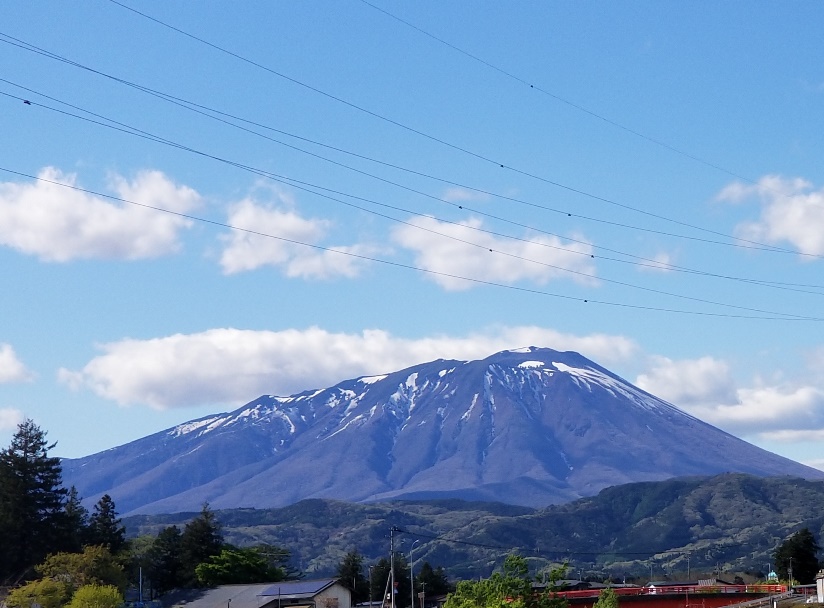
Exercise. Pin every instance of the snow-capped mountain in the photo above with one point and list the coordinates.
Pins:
(532, 426)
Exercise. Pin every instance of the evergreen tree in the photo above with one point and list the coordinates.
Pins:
(31, 502)
(164, 565)
(799, 552)
(76, 519)
(432, 581)
(350, 573)
(104, 526)
(380, 578)
(280, 558)
(201, 539)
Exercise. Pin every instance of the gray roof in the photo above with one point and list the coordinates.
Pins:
(245, 596)
(298, 588)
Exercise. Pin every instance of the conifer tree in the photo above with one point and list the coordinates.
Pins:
(201, 539)
(164, 561)
(76, 519)
(433, 581)
(32, 519)
(350, 573)
(798, 553)
(104, 526)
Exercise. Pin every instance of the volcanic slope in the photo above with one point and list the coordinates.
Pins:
(530, 427)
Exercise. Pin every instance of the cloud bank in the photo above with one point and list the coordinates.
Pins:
(704, 387)
(482, 256)
(58, 224)
(281, 238)
(233, 366)
(791, 212)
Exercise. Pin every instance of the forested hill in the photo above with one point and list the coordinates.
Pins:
(734, 521)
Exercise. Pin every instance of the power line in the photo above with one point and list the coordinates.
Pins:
(434, 138)
(209, 112)
(555, 96)
(313, 188)
(643, 262)
(410, 266)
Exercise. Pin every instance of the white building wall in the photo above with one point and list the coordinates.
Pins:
(336, 596)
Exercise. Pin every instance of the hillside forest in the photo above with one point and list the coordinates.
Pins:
(58, 553)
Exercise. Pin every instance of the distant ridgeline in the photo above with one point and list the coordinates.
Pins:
(732, 521)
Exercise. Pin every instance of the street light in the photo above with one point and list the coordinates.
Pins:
(411, 574)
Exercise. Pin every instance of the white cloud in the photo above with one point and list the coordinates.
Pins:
(689, 382)
(766, 411)
(11, 368)
(245, 251)
(233, 366)
(10, 418)
(59, 224)
(539, 259)
(791, 212)
(704, 387)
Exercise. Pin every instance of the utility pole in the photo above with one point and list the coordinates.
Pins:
(790, 574)
(392, 566)
(412, 574)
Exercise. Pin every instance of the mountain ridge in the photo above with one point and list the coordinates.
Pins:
(727, 522)
(531, 426)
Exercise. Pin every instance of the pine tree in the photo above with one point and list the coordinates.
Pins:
(32, 519)
(350, 573)
(380, 578)
(164, 561)
(799, 553)
(76, 519)
(432, 581)
(104, 526)
(201, 539)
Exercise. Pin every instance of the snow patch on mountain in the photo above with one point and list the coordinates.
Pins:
(468, 412)
(191, 427)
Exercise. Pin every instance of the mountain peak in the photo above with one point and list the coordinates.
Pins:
(530, 426)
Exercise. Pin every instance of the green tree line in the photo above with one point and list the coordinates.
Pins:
(56, 553)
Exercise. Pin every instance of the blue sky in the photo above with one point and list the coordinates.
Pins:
(277, 196)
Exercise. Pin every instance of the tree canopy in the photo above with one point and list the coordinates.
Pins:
(432, 581)
(607, 599)
(104, 526)
(200, 540)
(32, 519)
(799, 553)
(510, 588)
(350, 573)
(235, 565)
